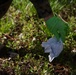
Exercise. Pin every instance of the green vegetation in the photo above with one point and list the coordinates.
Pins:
(23, 32)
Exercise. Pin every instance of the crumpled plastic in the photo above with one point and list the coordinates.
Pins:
(54, 47)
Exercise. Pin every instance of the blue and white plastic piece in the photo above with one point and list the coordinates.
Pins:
(54, 47)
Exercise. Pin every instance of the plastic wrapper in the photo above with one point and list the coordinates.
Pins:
(54, 47)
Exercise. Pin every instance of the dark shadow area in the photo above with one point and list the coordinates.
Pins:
(65, 55)
(5, 51)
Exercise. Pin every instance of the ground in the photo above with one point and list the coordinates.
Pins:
(21, 36)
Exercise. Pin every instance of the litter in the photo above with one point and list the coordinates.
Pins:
(54, 47)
